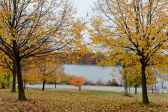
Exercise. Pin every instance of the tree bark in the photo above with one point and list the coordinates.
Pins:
(144, 87)
(43, 88)
(2, 85)
(155, 83)
(129, 88)
(24, 84)
(55, 85)
(20, 81)
(79, 88)
(135, 89)
(125, 82)
(14, 78)
(17, 61)
(8, 80)
(162, 85)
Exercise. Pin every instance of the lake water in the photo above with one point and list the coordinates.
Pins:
(93, 72)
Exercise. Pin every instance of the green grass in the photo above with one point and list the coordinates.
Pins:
(92, 101)
(90, 92)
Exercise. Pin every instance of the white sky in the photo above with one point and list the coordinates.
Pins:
(83, 6)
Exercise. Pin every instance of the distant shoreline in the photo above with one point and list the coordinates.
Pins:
(91, 64)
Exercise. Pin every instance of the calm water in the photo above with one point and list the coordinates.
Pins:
(92, 72)
(95, 72)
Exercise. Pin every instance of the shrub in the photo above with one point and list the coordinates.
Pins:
(77, 81)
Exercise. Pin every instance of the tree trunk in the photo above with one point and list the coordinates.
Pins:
(129, 88)
(3, 85)
(24, 84)
(152, 90)
(8, 80)
(17, 61)
(125, 82)
(55, 85)
(155, 84)
(162, 85)
(43, 85)
(135, 89)
(79, 88)
(20, 81)
(144, 87)
(14, 78)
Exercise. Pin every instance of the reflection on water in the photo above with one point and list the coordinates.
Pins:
(93, 72)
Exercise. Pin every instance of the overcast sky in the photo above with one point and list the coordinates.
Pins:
(83, 6)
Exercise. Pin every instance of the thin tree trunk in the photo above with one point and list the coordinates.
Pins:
(155, 84)
(129, 88)
(43, 88)
(144, 88)
(55, 85)
(24, 84)
(3, 85)
(14, 78)
(162, 85)
(125, 82)
(8, 80)
(20, 81)
(135, 89)
(79, 88)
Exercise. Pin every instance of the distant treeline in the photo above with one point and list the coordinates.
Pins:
(78, 58)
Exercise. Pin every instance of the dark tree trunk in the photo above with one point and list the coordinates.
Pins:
(162, 85)
(3, 85)
(8, 80)
(14, 78)
(144, 87)
(135, 89)
(24, 84)
(43, 85)
(79, 88)
(20, 81)
(129, 88)
(125, 82)
(155, 84)
(55, 85)
(17, 61)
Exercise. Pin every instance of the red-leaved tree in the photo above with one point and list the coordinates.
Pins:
(77, 81)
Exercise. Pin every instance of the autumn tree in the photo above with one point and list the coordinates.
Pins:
(28, 76)
(161, 71)
(5, 77)
(135, 26)
(64, 78)
(56, 75)
(77, 81)
(8, 65)
(54, 78)
(3, 81)
(124, 62)
(134, 77)
(28, 25)
(47, 68)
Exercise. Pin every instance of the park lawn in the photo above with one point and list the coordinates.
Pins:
(93, 101)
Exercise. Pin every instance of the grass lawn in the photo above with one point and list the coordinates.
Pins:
(92, 101)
